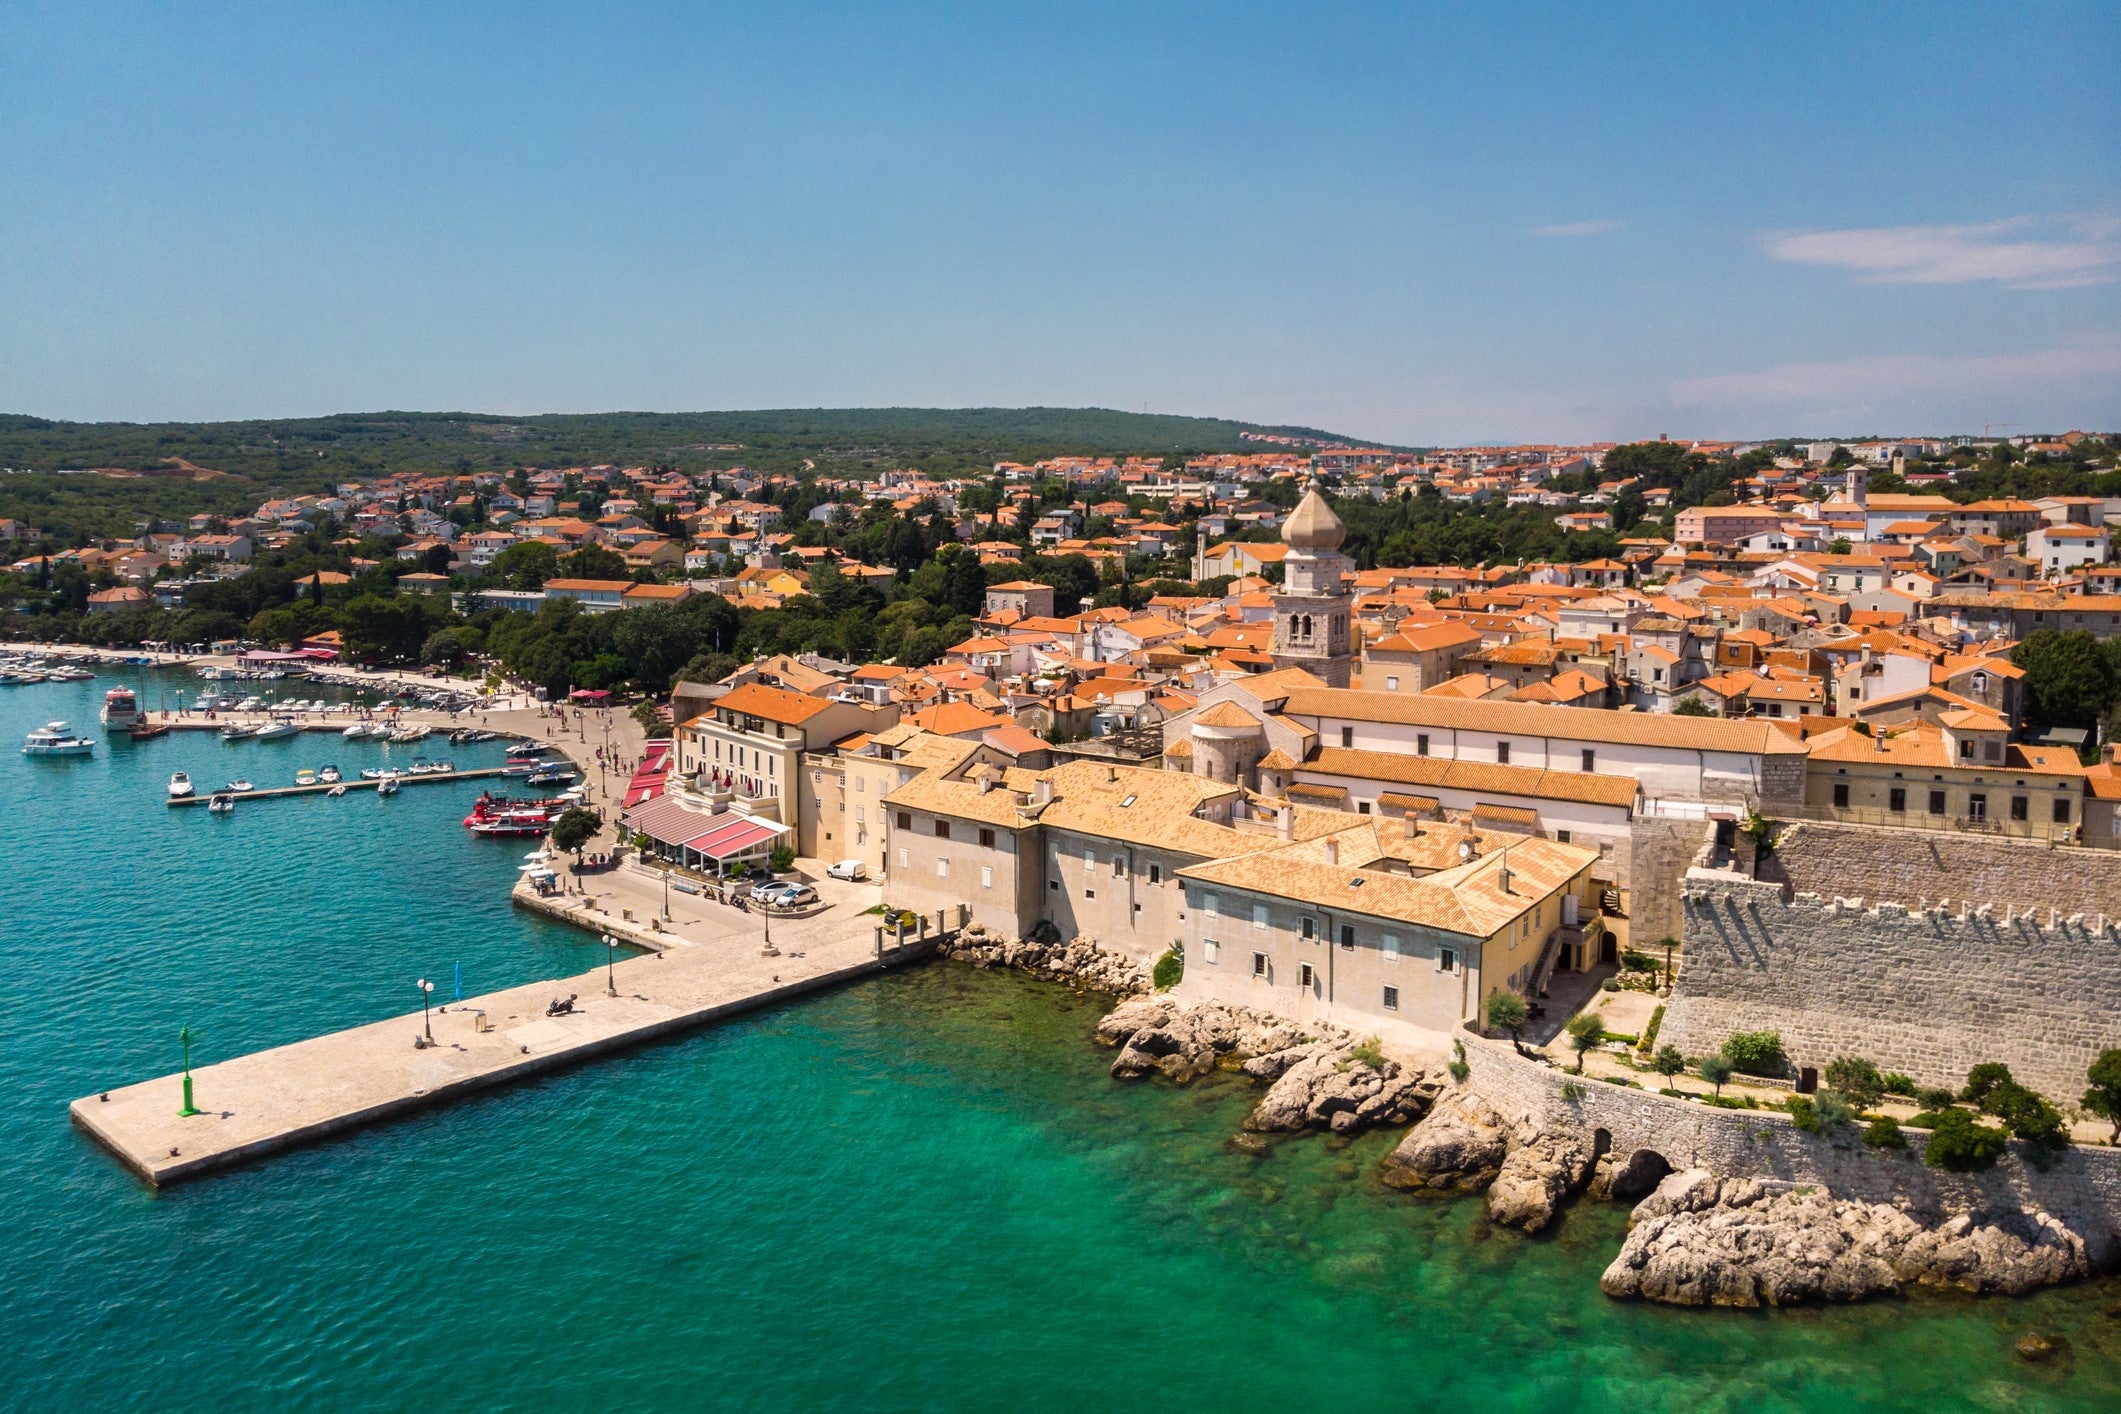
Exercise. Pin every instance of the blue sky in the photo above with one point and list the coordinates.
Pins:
(1426, 224)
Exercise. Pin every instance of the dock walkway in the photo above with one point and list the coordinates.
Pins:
(272, 1100)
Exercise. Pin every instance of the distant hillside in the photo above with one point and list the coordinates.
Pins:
(101, 477)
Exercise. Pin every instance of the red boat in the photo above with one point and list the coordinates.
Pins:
(513, 823)
(500, 815)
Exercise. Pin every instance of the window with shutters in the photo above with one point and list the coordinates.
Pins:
(1391, 999)
(1388, 946)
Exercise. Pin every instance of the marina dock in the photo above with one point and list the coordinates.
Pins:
(272, 1100)
(273, 792)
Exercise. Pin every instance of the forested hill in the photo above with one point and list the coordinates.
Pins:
(171, 464)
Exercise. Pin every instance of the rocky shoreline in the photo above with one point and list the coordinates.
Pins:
(1695, 1238)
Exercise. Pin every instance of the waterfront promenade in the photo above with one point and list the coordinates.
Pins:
(710, 965)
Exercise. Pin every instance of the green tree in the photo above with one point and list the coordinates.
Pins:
(594, 562)
(1983, 1078)
(1856, 1078)
(1507, 1012)
(1717, 1071)
(1668, 1062)
(1755, 1052)
(1586, 1030)
(574, 829)
(1692, 707)
(525, 566)
(1960, 1145)
(2104, 1097)
(2069, 680)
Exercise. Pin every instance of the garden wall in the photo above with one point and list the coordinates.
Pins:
(1930, 992)
(2083, 1187)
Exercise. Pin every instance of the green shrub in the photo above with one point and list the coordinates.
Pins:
(1884, 1133)
(1611, 984)
(1621, 1080)
(1755, 1052)
(1458, 1067)
(2104, 1097)
(1729, 1102)
(1625, 1038)
(1371, 1053)
(1635, 961)
(1803, 1113)
(1570, 1090)
(1649, 1033)
(1928, 1119)
(2030, 1118)
(1984, 1078)
(1897, 1084)
(1716, 1070)
(782, 859)
(1934, 1097)
(1833, 1109)
(1856, 1078)
(1168, 970)
(1959, 1145)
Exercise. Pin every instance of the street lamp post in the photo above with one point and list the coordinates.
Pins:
(426, 994)
(611, 957)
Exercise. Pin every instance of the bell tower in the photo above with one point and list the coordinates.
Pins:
(1312, 613)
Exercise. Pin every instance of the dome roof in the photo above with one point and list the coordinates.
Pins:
(1312, 525)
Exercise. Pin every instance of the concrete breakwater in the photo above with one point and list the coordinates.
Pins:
(271, 1100)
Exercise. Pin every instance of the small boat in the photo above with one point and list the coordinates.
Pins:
(220, 803)
(549, 775)
(443, 768)
(329, 775)
(305, 777)
(415, 732)
(336, 791)
(180, 787)
(236, 731)
(148, 731)
(278, 731)
(388, 785)
(371, 773)
(240, 786)
(56, 739)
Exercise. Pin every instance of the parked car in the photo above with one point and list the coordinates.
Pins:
(795, 896)
(764, 893)
(850, 869)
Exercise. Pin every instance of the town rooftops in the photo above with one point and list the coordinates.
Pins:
(1530, 720)
(770, 704)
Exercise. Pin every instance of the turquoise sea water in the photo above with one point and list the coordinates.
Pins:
(918, 1192)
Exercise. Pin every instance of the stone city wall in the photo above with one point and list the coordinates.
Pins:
(1928, 992)
(1659, 852)
(2083, 1187)
(1916, 868)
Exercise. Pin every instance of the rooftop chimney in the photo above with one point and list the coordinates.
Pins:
(1332, 851)
(1285, 819)
(1044, 794)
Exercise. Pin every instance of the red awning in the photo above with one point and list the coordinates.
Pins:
(583, 694)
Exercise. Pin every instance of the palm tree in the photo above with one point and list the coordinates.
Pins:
(1586, 1029)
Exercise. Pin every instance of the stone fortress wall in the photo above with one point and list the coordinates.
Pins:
(2083, 1187)
(1990, 951)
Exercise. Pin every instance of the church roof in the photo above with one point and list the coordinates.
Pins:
(1312, 525)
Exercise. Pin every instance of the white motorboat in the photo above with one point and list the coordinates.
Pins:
(336, 790)
(329, 775)
(221, 803)
(388, 785)
(278, 731)
(307, 776)
(236, 731)
(121, 710)
(415, 732)
(56, 739)
(180, 785)
(239, 787)
(357, 732)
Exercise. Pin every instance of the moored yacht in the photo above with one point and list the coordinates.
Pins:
(56, 739)
(179, 785)
(121, 710)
